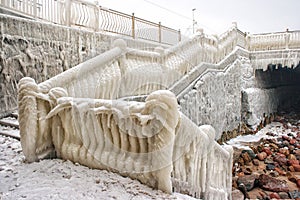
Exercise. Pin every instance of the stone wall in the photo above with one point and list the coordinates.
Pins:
(41, 50)
(274, 90)
(216, 99)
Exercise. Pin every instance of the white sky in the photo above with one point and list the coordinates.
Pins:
(215, 16)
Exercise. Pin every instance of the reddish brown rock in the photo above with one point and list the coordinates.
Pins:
(261, 156)
(298, 183)
(291, 177)
(255, 162)
(272, 184)
(297, 152)
(293, 162)
(296, 167)
(280, 172)
(293, 141)
(267, 150)
(274, 195)
(280, 159)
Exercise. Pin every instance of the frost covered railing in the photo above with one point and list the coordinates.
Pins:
(150, 141)
(273, 41)
(89, 15)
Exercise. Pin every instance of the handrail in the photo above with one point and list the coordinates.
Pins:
(88, 15)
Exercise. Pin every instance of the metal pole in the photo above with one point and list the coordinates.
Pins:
(133, 26)
(193, 20)
(159, 32)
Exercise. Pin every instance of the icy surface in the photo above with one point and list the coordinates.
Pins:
(275, 128)
(149, 141)
(58, 179)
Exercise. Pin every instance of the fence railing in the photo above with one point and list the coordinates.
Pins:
(84, 14)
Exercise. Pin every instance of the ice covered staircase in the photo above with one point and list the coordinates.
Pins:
(71, 113)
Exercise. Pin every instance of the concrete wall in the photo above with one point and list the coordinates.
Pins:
(41, 50)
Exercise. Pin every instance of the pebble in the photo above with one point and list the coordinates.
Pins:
(261, 156)
(275, 196)
(272, 184)
(255, 162)
(296, 167)
(270, 167)
(283, 195)
(237, 195)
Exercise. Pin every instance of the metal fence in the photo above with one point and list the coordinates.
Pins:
(87, 15)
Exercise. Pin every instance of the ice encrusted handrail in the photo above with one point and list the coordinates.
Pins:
(150, 141)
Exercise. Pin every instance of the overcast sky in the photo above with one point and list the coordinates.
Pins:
(215, 16)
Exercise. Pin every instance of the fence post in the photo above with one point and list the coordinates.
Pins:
(97, 13)
(68, 12)
(34, 8)
(179, 35)
(133, 26)
(159, 32)
(287, 39)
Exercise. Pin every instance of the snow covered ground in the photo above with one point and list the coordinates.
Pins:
(58, 179)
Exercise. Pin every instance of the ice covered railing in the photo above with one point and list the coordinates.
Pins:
(273, 41)
(151, 141)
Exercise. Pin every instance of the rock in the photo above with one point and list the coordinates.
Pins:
(283, 195)
(243, 189)
(294, 194)
(291, 177)
(281, 172)
(291, 168)
(291, 147)
(246, 158)
(261, 167)
(292, 157)
(241, 161)
(272, 184)
(247, 171)
(270, 167)
(293, 162)
(234, 182)
(296, 167)
(280, 159)
(261, 156)
(274, 195)
(249, 152)
(267, 150)
(298, 183)
(248, 181)
(274, 174)
(255, 162)
(269, 161)
(297, 152)
(293, 141)
(284, 151)
(285, 143)
(285, 137)
(237, 195)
